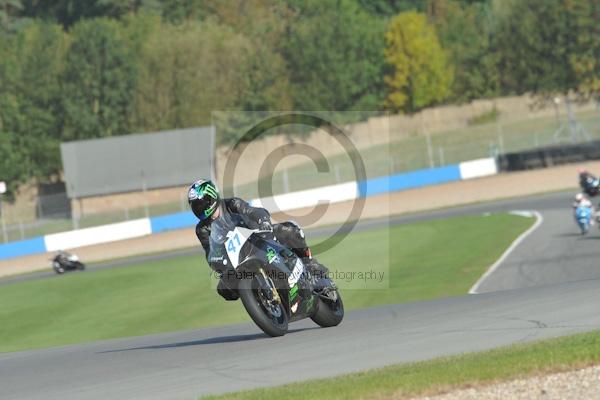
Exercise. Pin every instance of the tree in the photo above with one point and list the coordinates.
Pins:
(119, 8)
(465, 32)
(586, 60)
(11, 119)
(99, 81)
(31, 62)
(262, 23)
(390, 8)
(69, 12)
(10, 14)
(550, 46)
(420, 76)
(42, 48)
(334, 55)
(187, 71)
(13, 168)
(177, 11)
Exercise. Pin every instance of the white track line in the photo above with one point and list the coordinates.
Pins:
(513, 246)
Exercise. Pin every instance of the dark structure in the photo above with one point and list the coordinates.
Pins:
(549, 156)
(137, 162)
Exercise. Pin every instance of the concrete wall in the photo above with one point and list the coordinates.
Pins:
(290, 201)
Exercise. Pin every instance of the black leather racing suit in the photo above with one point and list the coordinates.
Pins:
(287, 233)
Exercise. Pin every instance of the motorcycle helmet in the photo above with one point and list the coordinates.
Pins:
(579, 197)
(203, 198)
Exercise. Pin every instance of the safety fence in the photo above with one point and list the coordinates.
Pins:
(519, 143)
(295, 200)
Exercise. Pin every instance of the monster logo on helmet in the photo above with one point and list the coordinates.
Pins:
(203, 197)
(210, 189)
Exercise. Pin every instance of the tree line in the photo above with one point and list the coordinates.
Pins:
(81, 69)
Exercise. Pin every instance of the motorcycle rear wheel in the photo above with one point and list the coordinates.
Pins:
(330, 310)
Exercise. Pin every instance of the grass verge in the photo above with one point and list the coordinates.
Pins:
(443, 374)
(422, 261)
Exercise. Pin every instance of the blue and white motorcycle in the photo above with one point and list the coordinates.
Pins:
(583, 216)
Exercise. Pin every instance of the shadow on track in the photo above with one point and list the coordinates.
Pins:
(570, 234)
(213, 340)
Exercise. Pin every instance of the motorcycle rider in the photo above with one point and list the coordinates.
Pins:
(581, 201)
(62, 257)
(207, 205)
(589, 183)
(63, 261)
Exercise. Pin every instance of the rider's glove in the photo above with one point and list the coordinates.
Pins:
(265, 225)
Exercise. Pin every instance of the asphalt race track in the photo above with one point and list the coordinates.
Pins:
(549, 286)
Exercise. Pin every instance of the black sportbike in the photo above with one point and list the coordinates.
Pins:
(64, 262)
(271, 279)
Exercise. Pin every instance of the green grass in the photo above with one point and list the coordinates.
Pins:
(426, 260)
(443, 374)
(485, 117)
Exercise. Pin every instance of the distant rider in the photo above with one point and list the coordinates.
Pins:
(62, 257)
(207, 206)
(589, 183)
(581, 201)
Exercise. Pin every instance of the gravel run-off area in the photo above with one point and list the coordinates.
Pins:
(581, 384)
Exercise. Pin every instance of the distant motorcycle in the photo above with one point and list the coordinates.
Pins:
(64, 262)
(583, 216)
(589, 183)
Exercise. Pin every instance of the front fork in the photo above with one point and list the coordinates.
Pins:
(274, 292)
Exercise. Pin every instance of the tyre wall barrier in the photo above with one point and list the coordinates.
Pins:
(545, 157)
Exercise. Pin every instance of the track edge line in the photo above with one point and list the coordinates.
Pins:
(539, 220)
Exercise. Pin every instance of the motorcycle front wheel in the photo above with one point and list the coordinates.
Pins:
(58, 268)
(262, 302)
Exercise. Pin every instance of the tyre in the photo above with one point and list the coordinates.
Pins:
(330, 310)
(584, 227)
(80, 266)
(58, 268)
(263, 307)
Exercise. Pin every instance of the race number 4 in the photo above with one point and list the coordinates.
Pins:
(234, 244)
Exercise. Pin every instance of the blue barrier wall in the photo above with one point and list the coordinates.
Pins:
(22, 248)
(173, 221)
(409, 180)
(369, 187)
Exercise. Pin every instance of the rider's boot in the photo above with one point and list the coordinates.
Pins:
(316, 269)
